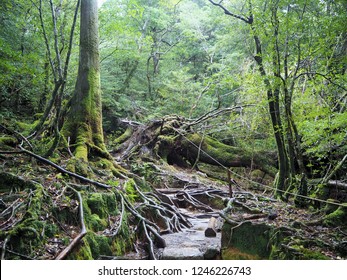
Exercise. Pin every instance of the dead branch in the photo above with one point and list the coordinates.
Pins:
(83, 232)
(215, 113)
(227, 12)
(334, 183)
(18, 135)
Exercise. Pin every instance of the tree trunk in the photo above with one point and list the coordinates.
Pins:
(84, 123)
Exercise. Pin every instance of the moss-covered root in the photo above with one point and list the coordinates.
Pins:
(28, 238)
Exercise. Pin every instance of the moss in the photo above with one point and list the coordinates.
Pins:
(322, 192)
(97, 205)
(338, 217)
(227, 155)
(65, 215)
(131, 190)
(99, 245)
(102, 204)
(81, 252)
(78, 166)
(248, 238)
(236, 254)
(97, 209)
(9, 182)
(50, 229)
(329, 207)
(125, 136)
(27, 127)
(8, 141)
(29, 236)
(299, 252)
(94, 245)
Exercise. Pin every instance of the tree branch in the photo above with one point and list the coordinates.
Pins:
(227, 12)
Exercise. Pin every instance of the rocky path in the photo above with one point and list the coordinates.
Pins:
(192, 244)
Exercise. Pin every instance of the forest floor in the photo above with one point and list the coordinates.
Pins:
(45, 212)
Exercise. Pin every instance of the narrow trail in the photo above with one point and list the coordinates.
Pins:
(192, 244)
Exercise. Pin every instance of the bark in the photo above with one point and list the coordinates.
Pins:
(174, 140)
(284, 178)
(84, 123)
(216, 153)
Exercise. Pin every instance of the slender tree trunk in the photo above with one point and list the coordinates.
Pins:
(84, 122)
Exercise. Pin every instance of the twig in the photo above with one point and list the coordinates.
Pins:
(83, 232)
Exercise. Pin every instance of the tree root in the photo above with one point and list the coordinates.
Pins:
(59, 168)
(62, 255)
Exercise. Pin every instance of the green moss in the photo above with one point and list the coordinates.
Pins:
(236, 254)
(81, 252)
(27, 127)
(131, 190)
(322, 192)
(78, 166)
(125, 136)
(97, 205)
(225, 154)
(329, 207)
(8, 141)
(99, 245)
(248, 238)
(50, 229)
(338, 217)
(97, 209)
(9, 182)
(308, 254)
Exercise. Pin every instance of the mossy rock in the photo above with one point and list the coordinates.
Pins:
(98, 207)
(99, 245)
(10, 182)
(8, 141)
(236, 254)
(93, 246)
(247, 241)
(338, 217)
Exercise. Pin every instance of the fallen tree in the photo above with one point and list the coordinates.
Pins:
(174, 140)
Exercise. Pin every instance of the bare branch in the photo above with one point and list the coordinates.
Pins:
(227, 12)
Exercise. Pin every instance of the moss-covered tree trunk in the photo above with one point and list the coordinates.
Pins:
(84, 122)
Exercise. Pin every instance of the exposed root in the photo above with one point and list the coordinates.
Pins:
(82, 233)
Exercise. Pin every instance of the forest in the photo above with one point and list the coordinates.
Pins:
(173, 129)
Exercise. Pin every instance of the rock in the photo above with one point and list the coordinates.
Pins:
(211, 231)
(342, 248)
(212, 252)
(182, 253)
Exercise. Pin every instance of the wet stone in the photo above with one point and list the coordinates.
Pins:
(184, 253)
(192, 244)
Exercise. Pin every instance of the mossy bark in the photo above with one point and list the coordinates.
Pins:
(215, 152)
(84, 123)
